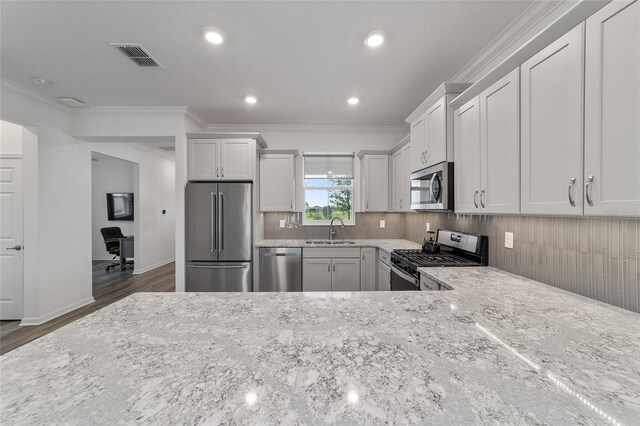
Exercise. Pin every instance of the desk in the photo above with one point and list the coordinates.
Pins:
(126, 250)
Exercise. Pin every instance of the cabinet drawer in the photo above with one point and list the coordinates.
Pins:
(331, 253)
(384, 257)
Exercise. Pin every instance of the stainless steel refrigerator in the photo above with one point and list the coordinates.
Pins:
(219, 233)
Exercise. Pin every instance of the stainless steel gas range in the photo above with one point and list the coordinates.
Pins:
(456, 249)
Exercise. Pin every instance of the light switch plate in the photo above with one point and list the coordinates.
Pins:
(428, 227)
(281, 223)
(508, 240)
(382, 223)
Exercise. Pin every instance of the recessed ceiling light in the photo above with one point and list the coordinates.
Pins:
(374, 39)
(353, 100)
(250, 99)
(213, 35)
(40, 81)
(71, 102)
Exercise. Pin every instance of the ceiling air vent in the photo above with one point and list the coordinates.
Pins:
(137, 54)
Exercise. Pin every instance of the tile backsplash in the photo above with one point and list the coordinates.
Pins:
(597, 258)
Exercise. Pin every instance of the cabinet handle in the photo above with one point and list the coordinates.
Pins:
(329, 267)
(291, 204)
(569, 192)
(482, 198)
(587, 190)
(334, 267)
(367, 204)
(475, 198)
(217, 171)
(400, 202)
(222, 171)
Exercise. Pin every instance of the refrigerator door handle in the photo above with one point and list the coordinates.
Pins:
(220, 221)
(213, 216)
(218, 266)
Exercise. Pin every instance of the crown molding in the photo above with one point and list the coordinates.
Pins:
(195, 118)
(305, 127)
(516, 33)
(8, 86)
(133, 110)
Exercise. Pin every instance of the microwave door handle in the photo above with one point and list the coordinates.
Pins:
(433, 196)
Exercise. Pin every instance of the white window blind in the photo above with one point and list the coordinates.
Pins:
(327, 166)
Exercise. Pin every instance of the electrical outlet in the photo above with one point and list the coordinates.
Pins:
(382, 223)
(508, 240)
(428, 228)
(282, 223)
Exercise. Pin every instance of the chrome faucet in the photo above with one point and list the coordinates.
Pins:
(331, 231)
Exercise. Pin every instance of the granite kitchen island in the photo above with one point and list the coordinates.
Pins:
(496, 349)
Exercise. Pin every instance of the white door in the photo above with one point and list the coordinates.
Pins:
(612, 111)
(405, 180)
(436, 133)
(500, 146)
(376, 183)
(316, 275)
(236, 159)
(467, 157)
(384, 277)
(346, 274)
(551, 120)
(277, 179)
(396, 184)
(418, 144)
(11, 240)
(368, 261)
(204, 159)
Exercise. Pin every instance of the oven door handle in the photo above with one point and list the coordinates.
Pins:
(405, 277)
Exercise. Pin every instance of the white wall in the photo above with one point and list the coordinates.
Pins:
(155, 237)
(109, 175)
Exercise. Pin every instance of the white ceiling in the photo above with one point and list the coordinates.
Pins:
(301, 59)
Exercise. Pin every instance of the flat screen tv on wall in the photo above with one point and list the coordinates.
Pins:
(120, 206)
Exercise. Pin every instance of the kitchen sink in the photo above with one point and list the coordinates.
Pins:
(328, 242)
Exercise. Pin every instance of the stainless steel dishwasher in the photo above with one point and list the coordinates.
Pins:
(280, 269)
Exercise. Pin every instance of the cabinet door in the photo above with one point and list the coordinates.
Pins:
(345, 274)
(237, 159)
(500, 146)
(436, 133)
(418, 144)
(368, 268)
(204, 158)
(551, 138)
(376, 183)
(384, 278)
(316, 274)
(467, 157)
(612, 111)
(277, 179)
(396, 181)
(405, 180)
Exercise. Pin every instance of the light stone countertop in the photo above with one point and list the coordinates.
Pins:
(385, 244)
(498, 349)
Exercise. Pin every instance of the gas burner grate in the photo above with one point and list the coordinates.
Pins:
(420, 259)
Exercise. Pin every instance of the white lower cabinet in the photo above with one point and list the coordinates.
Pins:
(384, 277)
(331, 269)
(316, 275)
(368, 262)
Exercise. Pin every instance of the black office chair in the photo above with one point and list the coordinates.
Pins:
(111, 237)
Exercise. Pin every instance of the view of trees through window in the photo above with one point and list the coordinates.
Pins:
(328, 198)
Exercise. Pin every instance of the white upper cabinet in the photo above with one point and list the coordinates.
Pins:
(277, 182)
(612, 111)
(418, 143)
(435, 147)
(203, 159)
(375, 183)
(551, 120)
(500, 146)
(220, 159)
(401, 179)
(237, 159)
(467, 154)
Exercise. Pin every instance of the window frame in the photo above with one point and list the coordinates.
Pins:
(307, 222)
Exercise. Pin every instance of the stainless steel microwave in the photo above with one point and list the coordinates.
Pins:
(432, 188)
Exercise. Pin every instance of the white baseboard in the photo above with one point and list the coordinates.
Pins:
(56, 313)
(148, 268)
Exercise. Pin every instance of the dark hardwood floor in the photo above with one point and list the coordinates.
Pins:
(108, 287)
